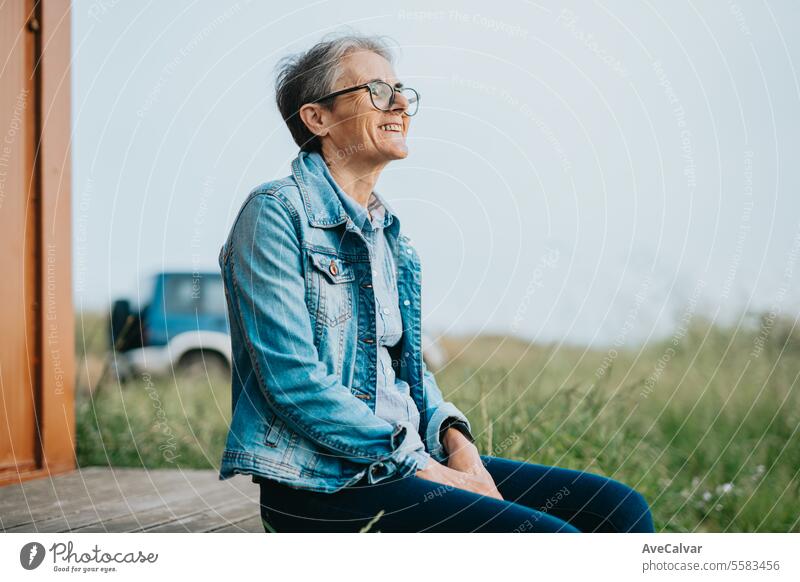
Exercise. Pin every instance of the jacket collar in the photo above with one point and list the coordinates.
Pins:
(321, 194)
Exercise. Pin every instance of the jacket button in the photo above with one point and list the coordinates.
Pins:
(369, 340)
(333, 268)
(406, 302)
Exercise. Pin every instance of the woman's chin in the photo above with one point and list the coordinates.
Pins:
(396, 151)
(402, 153)
(392, 146)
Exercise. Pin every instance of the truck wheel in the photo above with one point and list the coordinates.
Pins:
(204, 363)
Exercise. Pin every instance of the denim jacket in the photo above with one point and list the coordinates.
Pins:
(298, 286)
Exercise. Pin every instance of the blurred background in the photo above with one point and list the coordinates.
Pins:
(573, 156)
(604, 197)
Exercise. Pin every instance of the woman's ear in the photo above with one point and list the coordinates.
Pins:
(313, 115)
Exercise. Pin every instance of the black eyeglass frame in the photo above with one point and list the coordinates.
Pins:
(369, 85)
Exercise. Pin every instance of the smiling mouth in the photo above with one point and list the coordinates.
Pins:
(396, 127)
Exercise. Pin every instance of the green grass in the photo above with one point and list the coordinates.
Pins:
(710, 437)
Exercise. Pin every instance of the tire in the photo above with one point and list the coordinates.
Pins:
(204, 363)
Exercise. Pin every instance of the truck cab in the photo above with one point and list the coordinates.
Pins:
(181, 325)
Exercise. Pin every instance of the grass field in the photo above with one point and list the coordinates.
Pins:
(704, 423)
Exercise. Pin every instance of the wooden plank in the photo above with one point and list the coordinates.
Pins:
(57, 313)
(40, 498)
(154, 514)
(42, 492)
(213, 517)
(125, 496)
(249, 525)
(177, 504)
(126, 499)
(130, 514)
(19, 228)
(36, 308)
(162, 493)
(80, 491)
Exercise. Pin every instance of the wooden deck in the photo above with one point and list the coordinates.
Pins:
(99, 499)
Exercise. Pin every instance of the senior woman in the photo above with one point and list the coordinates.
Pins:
(335, 415)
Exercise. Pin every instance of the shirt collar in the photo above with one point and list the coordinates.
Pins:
(381, 217)
(326, 203)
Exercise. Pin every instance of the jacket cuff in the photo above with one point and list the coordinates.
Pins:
(445, 412)
(408, 455)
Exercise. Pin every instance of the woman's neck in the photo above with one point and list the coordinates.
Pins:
(356, 179)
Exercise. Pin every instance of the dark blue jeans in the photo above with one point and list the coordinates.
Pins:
(536, 498)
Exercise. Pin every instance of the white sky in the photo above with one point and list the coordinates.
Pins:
(567, 156)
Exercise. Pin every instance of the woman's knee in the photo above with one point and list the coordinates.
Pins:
(642, 509)
(631, 512)
(540, 522)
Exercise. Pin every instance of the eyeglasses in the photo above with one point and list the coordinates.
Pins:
(382, 95)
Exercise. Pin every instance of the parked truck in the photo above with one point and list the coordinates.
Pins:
(181, 324)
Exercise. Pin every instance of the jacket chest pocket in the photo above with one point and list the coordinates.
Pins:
(330, 288)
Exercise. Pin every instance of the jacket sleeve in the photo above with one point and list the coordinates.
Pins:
(266, 267)
(441, 415)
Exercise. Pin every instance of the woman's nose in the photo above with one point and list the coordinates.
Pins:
(400, 102)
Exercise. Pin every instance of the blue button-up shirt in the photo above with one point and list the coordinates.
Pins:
(393, 396)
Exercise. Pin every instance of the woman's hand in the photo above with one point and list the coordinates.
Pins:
(464, 467)
(463, 456)
(450, 478)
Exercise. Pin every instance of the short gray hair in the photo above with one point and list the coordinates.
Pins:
(307, 76)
